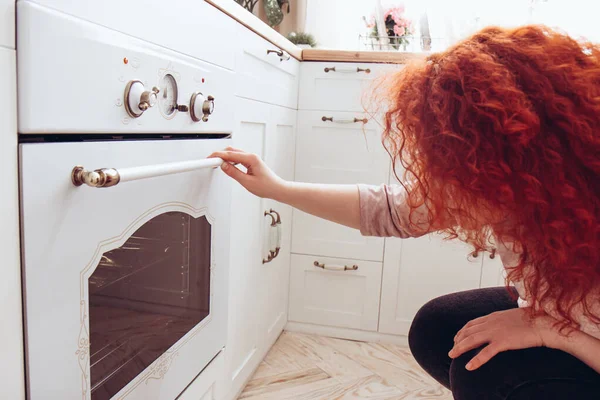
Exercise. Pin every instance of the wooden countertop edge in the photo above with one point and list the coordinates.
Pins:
(390, 57)
(252, 22)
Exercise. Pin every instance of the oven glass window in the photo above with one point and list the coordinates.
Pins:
(145, 296)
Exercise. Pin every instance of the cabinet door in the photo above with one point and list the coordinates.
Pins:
(261, 74)
(274, 287)
(332, 148)
(247, 221)
(12, 357)
(492, 272)
(7, 23)
(333, 295)
(418, 270)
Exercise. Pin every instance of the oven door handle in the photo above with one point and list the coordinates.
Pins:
(107, 177)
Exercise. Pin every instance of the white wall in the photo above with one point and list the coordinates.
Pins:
(337, 23)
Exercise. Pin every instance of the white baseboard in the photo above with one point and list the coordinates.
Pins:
(345, 333)
(249, 367)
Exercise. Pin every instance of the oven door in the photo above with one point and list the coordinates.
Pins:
(125, 286)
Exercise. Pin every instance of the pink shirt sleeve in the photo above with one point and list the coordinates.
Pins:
(384, 213)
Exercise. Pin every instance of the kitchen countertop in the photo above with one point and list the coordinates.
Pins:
(252, 22)
(392, 57)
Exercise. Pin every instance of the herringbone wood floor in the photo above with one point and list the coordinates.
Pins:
(306, 367)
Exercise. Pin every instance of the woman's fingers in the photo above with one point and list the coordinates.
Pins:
(468, 343)
(234, 172)
(485, 355)
(468, 330)
(234, 157)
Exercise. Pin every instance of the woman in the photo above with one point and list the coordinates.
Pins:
(499, 138)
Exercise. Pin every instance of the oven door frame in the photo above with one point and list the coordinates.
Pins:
(65, 231)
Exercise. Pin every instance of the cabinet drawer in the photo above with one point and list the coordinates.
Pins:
(265, 76)
(347, 299)
(331, 148)
(312, 235)
(340, 86)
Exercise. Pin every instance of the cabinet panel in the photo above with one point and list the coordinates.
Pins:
(340, 151)
(337, 152)
(418, 270)
(264, 76)
(274, 289)
(11, 334)
(340, 86)
(246, 246)
(7, 23)
(492, 271)
(347, 299)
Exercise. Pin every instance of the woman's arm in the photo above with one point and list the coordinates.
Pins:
(375, 210)
(337, 203)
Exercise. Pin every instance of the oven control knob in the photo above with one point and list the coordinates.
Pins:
(138, 99)
(201, 107)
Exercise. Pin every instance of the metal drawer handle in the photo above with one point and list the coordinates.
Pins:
(107, 177)
(283, 56)
(347, 70)
(335, 267)
(274, 235)
(345, 121)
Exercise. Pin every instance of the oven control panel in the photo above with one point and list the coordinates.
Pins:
(139, 99)
(137, 87)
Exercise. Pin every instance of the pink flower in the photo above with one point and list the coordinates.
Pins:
(399, 30)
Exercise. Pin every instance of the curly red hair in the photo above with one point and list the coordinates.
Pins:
(500, 134)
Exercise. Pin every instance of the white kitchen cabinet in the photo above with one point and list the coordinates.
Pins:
(258, 291)
(492, 271)
(11, 333)
(264, 75)
(274, 276)
(336, 292)
(247, 221)
(418, 270)
(341, 86)
(7, 23)
(343, 152)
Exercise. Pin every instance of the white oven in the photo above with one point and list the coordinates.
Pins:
(125, 221)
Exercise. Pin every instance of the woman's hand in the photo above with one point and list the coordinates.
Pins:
(259, 179)
(503, 330)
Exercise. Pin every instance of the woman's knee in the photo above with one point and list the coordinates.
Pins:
(426, 324)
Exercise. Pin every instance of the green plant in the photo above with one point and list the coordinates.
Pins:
(247, 4)
(302, 38)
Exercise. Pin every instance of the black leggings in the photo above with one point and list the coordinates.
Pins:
(529, 374)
